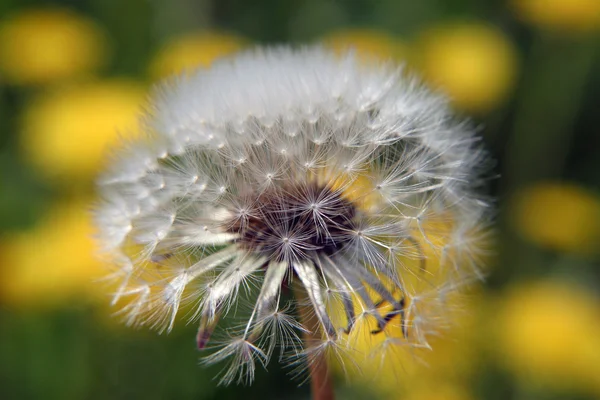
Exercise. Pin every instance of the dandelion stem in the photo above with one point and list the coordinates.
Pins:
(321, 385)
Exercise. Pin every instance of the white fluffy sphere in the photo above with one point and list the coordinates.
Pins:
(282, 167)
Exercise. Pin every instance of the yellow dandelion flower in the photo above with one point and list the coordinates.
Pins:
(65, 132)
(560, 216)
(562, 15)
(441, 359)
(369, 44)
(408, 372)
(53, 262)
(474, 63)
(439, 391)
(44, 45)
(549, 333)
(193, 50)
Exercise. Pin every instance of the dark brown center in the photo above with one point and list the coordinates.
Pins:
(295, 222)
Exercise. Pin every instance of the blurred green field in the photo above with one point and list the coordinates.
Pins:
(74, 75)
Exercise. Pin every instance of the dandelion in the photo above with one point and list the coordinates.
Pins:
(53, 262)
(539, 215)
(369, 44)
(49, 45)
(193, 50)
(548, 334)
(65, 131)
(299, 169)
(571, 17)
(475, 63)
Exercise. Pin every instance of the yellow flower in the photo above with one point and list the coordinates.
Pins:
(563, 15)
(438, 391)
(193, 50)
(53, 262)
(41, 46)
(369, 44)
(549, 333)
(450, 357)
(406, 373)
(559, 216)
(474, 63)
(65, 132)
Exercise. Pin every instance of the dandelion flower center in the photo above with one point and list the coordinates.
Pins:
(292, 223)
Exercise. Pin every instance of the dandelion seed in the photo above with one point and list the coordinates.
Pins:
(281, 168)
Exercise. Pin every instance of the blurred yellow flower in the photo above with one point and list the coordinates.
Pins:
(44, 45)
(66, 131)
(53, 262)
(369, 44)
(400, 371)
(561, 216)
(563, 15)
(193, 50)
(438, 391)
(474, 63)
(549, 333)
(405, 372)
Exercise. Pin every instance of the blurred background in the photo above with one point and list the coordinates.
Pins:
(74, 75)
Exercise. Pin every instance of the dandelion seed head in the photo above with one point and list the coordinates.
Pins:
(282, 167)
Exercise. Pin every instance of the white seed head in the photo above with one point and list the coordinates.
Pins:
(285, 167)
